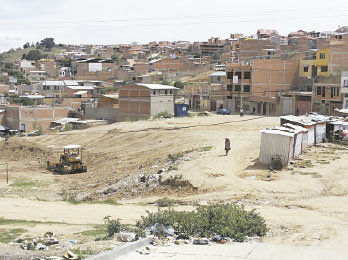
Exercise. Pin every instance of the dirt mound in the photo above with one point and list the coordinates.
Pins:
(19, 149)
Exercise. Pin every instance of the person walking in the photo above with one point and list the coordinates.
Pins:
(241, 111)
(227, 145)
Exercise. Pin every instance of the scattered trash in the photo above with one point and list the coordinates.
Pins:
(159, 229)
(40, 246)
(126, 236)
(201, 242)
(70, 255)
(72, 242)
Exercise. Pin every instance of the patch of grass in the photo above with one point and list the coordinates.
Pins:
(7, 236)
(165, 202)
(323, 162)
(176, 156)
(4, 221)
(228, 220)
(83, 253)
(107, 201)
(205, 149)
(314, 174)
(98, 231)
(23, 183)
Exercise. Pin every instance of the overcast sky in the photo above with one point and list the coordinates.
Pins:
(115, 21)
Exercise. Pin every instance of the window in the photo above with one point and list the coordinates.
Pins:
(56, 87)
(246, 74)
(305, 68)
(322, 56)
(218, 78)
(332, 90)
(230, 75)
(246, 88)
(170, 92)
(323, 68)
(239, 74)
(166, 92)
(237, 88)
(318, 91)
(154, 92)
(323, 92)
(345, 83)
(337, 91)
(229, 87)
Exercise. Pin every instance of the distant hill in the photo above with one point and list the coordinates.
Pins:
(12, 56)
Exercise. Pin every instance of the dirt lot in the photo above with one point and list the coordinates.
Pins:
(306, 205)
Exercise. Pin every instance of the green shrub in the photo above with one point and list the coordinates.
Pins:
(113, 226)
(228, 220)
(164, 115)
(165, 202)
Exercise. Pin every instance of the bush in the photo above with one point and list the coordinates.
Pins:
(113, 226)
(70, 196)
(179, 84)
(165, 202)
(164, 115)
(228, 220)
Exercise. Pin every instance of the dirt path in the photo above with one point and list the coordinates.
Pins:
(24, 209)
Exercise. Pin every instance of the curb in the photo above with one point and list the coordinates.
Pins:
(122, 250)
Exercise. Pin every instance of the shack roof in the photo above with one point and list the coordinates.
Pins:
(296, 127)
(218, 74)
(278, 130)
(81, 92)
(53, 83)
(72, 146)
(80, 87)
(157, 86)
(298, 119)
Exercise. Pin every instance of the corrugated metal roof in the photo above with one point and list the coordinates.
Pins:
(81, 92)
(157, 86)
(80, 87)
(218, 74)
(53, 83)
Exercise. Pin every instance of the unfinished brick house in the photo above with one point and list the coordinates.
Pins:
(140, 101)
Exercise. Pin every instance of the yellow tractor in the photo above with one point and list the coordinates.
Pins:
(70, 161)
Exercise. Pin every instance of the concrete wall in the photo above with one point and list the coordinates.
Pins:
(162, 101)
(105, 113)
(33, 118)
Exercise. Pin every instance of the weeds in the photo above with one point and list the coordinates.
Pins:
(314, 174)
(7, 236)
(163, 115)
(83, 253)
(107, 201)
(165, 202)
(23, 183)
(205, 149)
(228, 220)
(113, 226)
(98, 231)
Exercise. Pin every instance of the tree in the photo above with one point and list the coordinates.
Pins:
(179, 84)
(26, 45)
(34, 55)
(65, 63)
(47, 43)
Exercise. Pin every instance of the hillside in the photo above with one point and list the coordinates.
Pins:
(17, 54)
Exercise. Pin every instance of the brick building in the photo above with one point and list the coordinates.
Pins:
(140, 101)
(32, 118)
